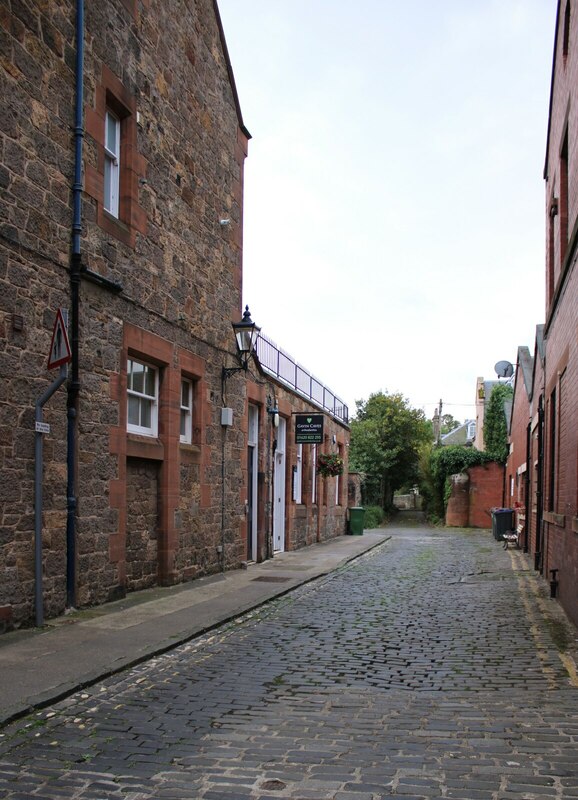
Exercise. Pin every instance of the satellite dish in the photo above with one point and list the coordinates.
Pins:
(504, 369)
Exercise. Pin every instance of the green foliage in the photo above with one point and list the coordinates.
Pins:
(437, 465)
(386, 437)
(329, 464)
(374, 517)
(449, 423)
(446, 461)
(495, 423)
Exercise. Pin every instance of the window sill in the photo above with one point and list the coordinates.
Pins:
(190, 453)
(117, 228)
(555, 519)
(148, 447)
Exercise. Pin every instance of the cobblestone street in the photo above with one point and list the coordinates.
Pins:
(434, 666)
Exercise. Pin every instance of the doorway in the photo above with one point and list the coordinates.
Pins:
(252, 482)
(279, 490)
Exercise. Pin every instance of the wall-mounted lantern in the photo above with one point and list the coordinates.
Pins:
(246, 333)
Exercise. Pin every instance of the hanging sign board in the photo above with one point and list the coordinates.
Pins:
(309, 429)
(59, 346)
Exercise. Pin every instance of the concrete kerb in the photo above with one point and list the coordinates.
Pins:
(84, 679)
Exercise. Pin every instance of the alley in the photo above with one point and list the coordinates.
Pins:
(434, 666)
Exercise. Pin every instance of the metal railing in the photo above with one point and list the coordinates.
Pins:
(281, 366)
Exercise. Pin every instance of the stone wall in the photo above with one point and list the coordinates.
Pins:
(408, 502)
(160, 284)
(321, 514)
(162, 68)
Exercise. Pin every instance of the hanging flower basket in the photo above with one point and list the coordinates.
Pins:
(329, 464)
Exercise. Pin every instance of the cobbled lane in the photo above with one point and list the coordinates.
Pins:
(434, 666)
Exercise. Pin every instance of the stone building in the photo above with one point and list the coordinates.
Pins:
(121, 168)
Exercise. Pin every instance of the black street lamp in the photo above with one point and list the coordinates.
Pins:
(246, 333)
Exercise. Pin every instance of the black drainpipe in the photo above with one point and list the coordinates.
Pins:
(74, 383)
(539, 555)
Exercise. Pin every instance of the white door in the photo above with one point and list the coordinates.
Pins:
(279, 491)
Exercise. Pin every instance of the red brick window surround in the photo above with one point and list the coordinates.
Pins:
(552, 452)
(553, 211)
(112, 123)
(142, 397)
(190, 427)
(566, 34)
(563, 210)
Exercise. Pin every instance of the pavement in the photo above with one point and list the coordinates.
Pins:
(39, 666)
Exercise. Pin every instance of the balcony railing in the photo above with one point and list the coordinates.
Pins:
(281, 366)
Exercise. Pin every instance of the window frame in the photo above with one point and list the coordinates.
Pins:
(338, 480)
(143, 430)
(313, 474)
(563, 199)
(187, 410)
(566, 32)
(553, 451)
(298, 478)
(112, 165)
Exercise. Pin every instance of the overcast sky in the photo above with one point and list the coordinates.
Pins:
(394, 199)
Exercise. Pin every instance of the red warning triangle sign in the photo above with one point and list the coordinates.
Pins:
(59, 346)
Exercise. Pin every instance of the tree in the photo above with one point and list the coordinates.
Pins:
(495, 423)
(449, 423)
(386, 438)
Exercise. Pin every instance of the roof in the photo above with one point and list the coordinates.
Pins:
(552, 91)
(540, 342)
(459, 435)
(230, 70)
(526, 365)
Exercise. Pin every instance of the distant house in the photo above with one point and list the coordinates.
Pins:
(483, 394)
(463, 434)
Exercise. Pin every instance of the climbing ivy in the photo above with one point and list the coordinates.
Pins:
(495, 423)
(436, 471)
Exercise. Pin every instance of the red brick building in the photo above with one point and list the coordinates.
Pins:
(551, 414)
(535, 498)
(517, 472)
(560, 535)
(123, 149)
